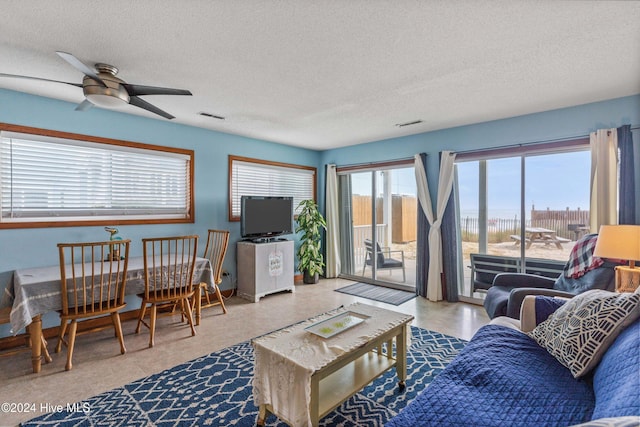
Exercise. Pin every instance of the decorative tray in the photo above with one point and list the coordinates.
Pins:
(336, 324)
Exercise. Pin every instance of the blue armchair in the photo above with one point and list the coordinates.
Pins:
(505, 296)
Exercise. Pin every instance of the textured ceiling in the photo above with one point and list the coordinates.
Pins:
(324, 74)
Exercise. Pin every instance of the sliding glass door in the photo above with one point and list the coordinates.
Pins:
(557, 204)
(378, 209)
(527, 209)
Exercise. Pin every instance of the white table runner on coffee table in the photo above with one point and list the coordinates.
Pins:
(286, 359)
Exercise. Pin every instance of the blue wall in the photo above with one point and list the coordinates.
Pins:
(564, 123)
(37, 247)
(22, 248)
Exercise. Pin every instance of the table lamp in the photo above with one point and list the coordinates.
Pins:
(621, 242)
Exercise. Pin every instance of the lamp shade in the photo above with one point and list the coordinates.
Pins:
(618, 242)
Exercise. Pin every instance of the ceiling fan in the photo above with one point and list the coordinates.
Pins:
(101, 87)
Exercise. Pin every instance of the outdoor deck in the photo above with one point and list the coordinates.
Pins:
(504, 249)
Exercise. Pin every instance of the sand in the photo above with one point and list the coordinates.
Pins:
(537, 250)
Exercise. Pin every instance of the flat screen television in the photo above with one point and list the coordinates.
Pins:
(265, 217)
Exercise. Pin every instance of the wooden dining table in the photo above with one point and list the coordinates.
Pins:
(36, 291)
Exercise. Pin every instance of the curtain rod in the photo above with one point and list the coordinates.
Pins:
(371, 164)
(547, 141)
(532, 143)
(523, 144)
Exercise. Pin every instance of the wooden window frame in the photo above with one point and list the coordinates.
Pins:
(232, 158)
(189, 218)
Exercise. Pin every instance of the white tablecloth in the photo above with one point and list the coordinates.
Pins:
(286, 359)
(35, 291)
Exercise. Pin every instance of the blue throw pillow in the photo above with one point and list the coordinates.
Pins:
(546, 306)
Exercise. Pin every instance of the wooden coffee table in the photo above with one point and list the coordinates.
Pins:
(301, 377)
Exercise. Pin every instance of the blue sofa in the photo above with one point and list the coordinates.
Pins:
(504, 378)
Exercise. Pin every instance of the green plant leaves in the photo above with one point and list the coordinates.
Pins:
(310, 223)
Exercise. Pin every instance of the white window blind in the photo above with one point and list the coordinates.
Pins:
(260, 179)
(55, 179)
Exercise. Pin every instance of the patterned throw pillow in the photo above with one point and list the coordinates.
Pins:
(580, 331)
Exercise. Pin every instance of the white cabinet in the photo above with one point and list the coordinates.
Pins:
(264, 268)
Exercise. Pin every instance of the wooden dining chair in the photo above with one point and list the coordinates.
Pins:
(168, 268)
(5, 319)
(215, 250)
(92, 279)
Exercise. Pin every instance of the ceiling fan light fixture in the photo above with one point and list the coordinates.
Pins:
(106, 101)
(112, 96)
(109, 91)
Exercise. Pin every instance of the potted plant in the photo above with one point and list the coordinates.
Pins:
(310, 259)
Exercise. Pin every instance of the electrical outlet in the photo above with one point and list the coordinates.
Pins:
(225, 273)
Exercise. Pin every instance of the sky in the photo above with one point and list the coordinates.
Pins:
(554, 181)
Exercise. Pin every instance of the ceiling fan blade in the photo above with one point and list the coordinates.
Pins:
(38, 78)
(139, 102)
(79, 65)
(137, 90)
(84, 105)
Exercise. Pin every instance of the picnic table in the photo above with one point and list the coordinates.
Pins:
(540, 235)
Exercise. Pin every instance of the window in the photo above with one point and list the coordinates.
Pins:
(378, 202)
(252, 177)
(537, 195)
(54, 178)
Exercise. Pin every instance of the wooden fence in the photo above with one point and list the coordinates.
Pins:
(361, 210)
(403, 215)
(567, 216)
(499, 229)
(404, 220)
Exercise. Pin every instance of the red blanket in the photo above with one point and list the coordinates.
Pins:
(581, 259)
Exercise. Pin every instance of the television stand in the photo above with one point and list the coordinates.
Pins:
(259, 240)
(264, 268)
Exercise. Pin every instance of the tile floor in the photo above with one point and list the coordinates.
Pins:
(98, 365)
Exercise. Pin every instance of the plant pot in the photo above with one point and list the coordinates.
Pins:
(309, 279)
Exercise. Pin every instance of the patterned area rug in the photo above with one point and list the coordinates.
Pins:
(215, 390)
(378, 293)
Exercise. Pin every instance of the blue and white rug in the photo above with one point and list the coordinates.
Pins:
(215, 390)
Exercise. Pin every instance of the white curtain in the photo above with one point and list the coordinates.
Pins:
(604, 178)
(445, 183)
(332, 264)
